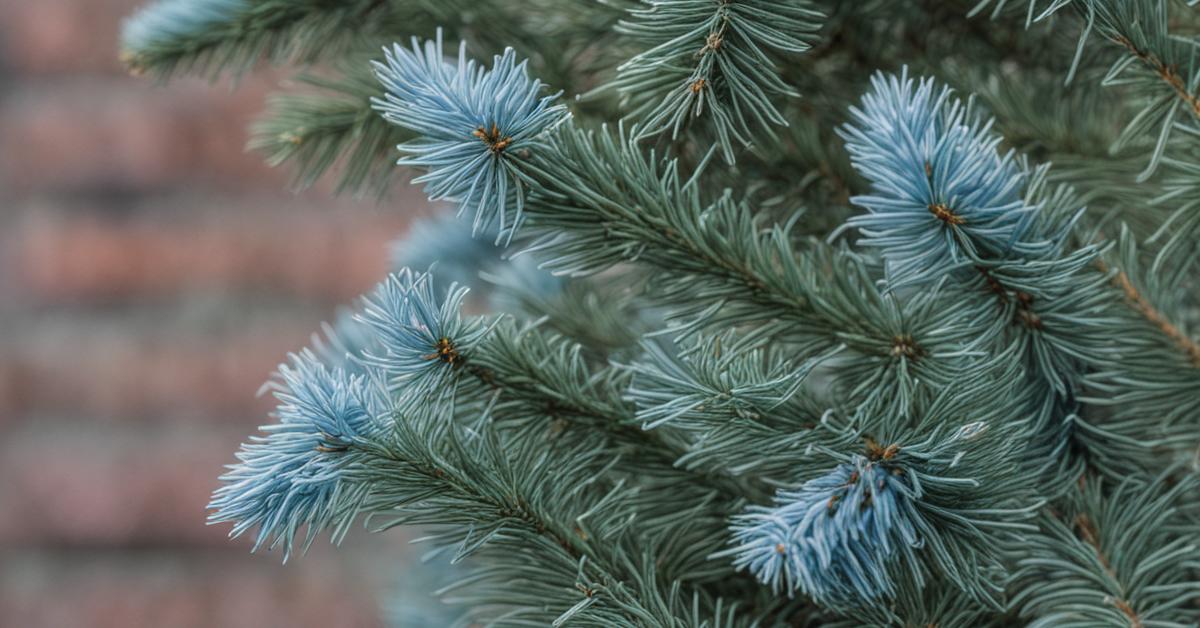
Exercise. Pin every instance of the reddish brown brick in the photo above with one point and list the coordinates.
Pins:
(301, 251)
(101, 488)
(186, 590)
(80, 132)
(109, 487)
(128, 373)
(58, 36)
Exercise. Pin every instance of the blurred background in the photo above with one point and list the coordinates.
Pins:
(152, 274)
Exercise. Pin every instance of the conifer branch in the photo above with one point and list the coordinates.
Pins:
(333, 127)
(1169, 74)
(529, 368)
(351, 444)
(599, 580)
(1141, 28)
(1150, 399)
(1156, 318)
(212, 36)
(843, 536)
(1090, 570)
(535, 368)
(606, 201)
(709, 58)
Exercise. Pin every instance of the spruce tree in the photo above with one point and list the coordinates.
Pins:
(754, 312)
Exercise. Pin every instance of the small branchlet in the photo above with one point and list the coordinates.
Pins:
(943, 213)
(877, 452)
(904, 346)
(1025, 314)
(495, 141)
(445, 351)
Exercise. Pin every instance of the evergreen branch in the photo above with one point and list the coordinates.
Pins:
(424, 347)
(942, 197)
(486, 178)
(1156, 318)
(605, 201)
(528, 368)
(1168, 63)
(334, 127)
(935, 172)
(297, 474)
(210, 36)
(1040, 288)
(483, 495)
(1141, 29)
(601, 200)
(444, 104)
(742, 403)
(1150, 401)
(344, 447)
(714, 54)
(1093, 571)
(901, 507)
(655, 233)
(1167, 73)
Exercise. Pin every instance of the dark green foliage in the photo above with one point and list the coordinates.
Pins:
(1121, 555)
(711, 60)
(773, 381)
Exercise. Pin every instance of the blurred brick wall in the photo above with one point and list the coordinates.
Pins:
(151, 275)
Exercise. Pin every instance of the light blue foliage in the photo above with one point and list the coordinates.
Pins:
(421, 337)
(294, 475)
(332, 419)
(940, 506)
(448, 243)
(343, 343)
(833, 537)
(445, 245)
(470, 121)
(520, 277)
(942, 196)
